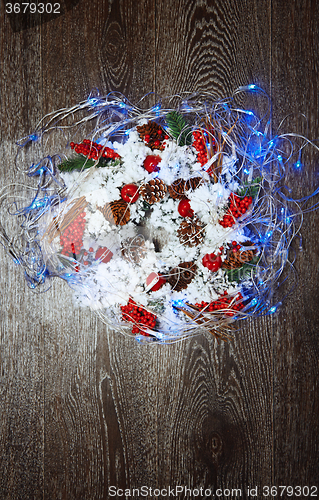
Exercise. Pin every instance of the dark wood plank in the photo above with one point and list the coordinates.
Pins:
(223, 408)
(84, 408)
(21, 333)
(212, 46)
(295, 45)
(89, 439)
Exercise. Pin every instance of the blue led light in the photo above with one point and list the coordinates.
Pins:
(93, 101)
(298, 164)
(178, 303)
(252, 86)
(280, 158)
(156, 109)
(254, 302)
(273, 309)
(246, 171)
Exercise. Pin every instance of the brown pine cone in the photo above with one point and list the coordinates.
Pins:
(179, 187)
(181, 276)
(191, 232)
(134, 249)
(117, 212)
(238, 259)
(177, 190)
(193, 183)
(153, 191)
(152, 129)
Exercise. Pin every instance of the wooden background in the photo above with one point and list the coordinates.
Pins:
(82, 408)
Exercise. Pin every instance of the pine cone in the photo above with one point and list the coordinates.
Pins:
(191, 232)
(152, 129)
(181, 276)
(179, 187)
(153, 191)
(237, 259)
(193, 183)
(134, 249)
(177, 190)
(117, 212)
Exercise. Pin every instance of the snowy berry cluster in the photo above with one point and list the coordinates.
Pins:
(237, 207)
(71, 239)
(229, 304)
(93, 150)
(141, 318)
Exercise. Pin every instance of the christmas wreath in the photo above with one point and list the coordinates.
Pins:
(166, 222)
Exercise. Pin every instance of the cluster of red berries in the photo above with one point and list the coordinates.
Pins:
(157, 142)
(223, 303)
(71, 239)
(212, 261)
(199, 144)
(234, 246)
(92, 150)
(138, 315)
(238, 206)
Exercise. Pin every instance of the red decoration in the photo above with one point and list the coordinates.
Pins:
(130, 193)
(93, 150)
(223, 303)
(159, 283)
(200, 146)
(71, 239)
(151, 162)
(184, 209)
(104, 254)
(212, 262)
(238, 206)
(139, 316)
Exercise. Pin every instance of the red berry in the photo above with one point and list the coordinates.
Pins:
(156, 143)
(212, 262)
(184, 209)
(151, 162)
(104, 254)
(147, 137)
(129, 193)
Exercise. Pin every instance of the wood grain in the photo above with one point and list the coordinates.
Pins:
(82, 407)
(22, 340)
(295, 45)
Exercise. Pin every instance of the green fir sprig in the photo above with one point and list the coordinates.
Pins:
(250, 188)
(179, 128)
(239, 273)
(81, 162)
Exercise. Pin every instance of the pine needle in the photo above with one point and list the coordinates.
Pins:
(179, 128)
(80, 162)
(250, 188)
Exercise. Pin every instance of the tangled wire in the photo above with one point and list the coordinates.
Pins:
(232, 147)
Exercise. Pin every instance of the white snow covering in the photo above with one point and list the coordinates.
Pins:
(109, 285)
